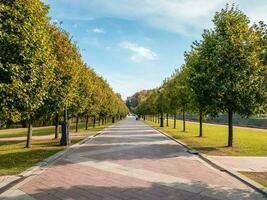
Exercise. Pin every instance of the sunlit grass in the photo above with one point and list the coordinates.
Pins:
(48, 130)
(259, 177)
(247, 142)
(14, 158)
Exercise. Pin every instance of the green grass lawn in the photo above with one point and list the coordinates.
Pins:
(19, 132)
(247, 142)
(259, 177)
(14, 158)
(48, 130)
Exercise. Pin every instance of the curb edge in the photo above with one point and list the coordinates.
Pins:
(44, 164)
(219, 166)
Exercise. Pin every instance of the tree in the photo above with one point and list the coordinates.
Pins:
(261, 43)
(182, 91)
(167, 100)
(84, 94)
(26, 61)
(133, 101)
(201, 83)
(161, 104)
(235, 68)
(171, 93)
(67, 73)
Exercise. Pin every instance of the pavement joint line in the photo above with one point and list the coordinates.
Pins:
(102, 151)
(159, 178)
(125, 143)
(221, 167)
(35, 170)
(132, 135)
(120, 148)
(222, 191)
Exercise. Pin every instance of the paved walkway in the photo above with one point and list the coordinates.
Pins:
(242, 163)
(44, 137)
(131, 161)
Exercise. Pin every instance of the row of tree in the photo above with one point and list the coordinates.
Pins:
(42, 73)
(224, 72)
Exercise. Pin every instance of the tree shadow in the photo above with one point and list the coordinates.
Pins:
(149, 191)
(132, 152)
(207, 149)
(108, 139)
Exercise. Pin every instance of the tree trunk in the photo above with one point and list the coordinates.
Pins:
(167, 121)
(174, 122)
(113, 120)
(86, 122)
(158, 118)
(99, 121)
(200, 123)
(56, 125)
(29, 135)
(65, 137)
(161, 120)
(77, 124)
(24, 124)
(94, 122)
(183, 121)
(230, 128)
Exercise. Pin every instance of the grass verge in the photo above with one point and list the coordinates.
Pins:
(14, 158)
(259, 177)
(247, 142)
(47, 130)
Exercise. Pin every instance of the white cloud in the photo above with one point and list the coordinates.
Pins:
(187, 17)
(139, 52)
(99, 30)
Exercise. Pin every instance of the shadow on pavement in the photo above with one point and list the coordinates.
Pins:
(147, 192)
(130, 152)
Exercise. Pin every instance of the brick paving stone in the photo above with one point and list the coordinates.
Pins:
(243, 163)
(133, 161)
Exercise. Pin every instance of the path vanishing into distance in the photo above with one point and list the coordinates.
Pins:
(130, 160)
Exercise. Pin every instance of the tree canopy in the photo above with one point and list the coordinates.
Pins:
(42, 71)
(224, 72)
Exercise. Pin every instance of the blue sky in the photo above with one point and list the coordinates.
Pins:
(135, 44)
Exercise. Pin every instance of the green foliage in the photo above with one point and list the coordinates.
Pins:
(200, 80)
(182, 92)
(26, 60)
(223, 73)
(42, 71)
(133, 101)
(236, 67)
